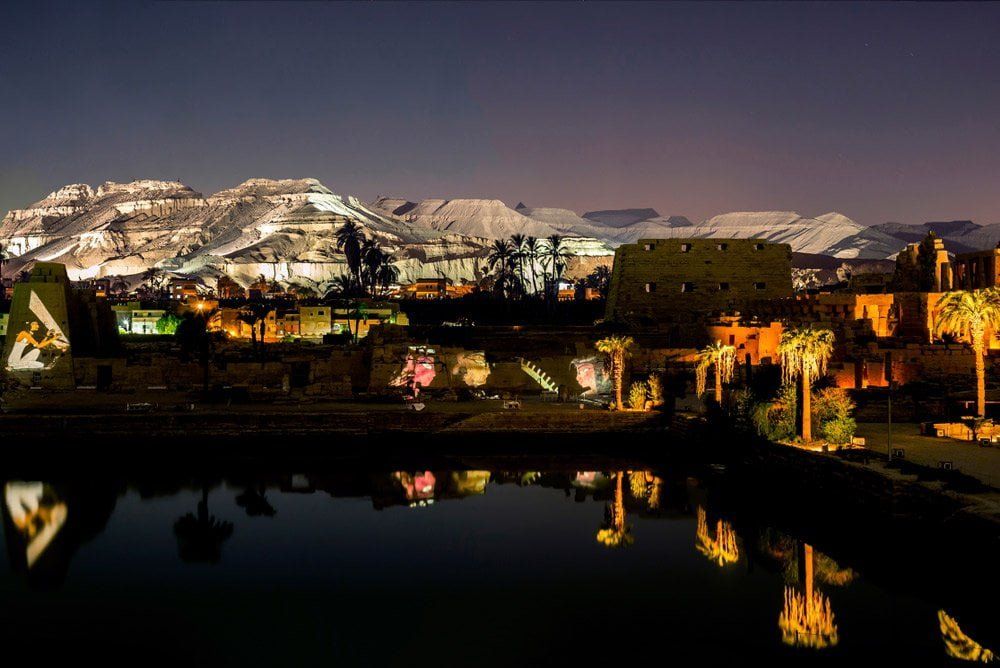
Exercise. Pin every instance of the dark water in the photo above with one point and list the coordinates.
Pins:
(355, 565)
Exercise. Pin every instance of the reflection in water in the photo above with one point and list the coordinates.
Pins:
(806, 620)
(254, 501)
(45, 523)
(958, 645)
(418, 487)
(722, 548)
(423, 488)
(646, 487)
(200, 537)
(37, 513)
(614, 532)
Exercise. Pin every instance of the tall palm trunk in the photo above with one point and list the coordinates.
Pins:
(619, 372)
(806, 417)
(980, 353)
(718, 384)
(618, 512)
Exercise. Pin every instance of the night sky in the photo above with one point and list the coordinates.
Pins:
(879, 111)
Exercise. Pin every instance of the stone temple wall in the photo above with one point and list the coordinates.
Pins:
(665, 280)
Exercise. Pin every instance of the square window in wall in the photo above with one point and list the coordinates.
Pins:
(650, 287)
(648, 247)
(685, 248)
(723, 287)
(760, 286)
(758, 246)
(687, 287)
(721, 247)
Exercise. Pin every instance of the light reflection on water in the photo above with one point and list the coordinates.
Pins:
(374, 567)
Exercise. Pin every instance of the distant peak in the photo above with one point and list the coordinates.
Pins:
(621, 217)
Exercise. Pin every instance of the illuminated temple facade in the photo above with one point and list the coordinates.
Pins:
(665, 280)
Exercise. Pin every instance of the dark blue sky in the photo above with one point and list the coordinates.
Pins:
(880, 111)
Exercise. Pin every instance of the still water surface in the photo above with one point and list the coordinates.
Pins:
(448, 567)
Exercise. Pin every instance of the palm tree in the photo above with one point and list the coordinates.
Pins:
(254, 501)
(387, 274)
(599, 279)
(349, 240)
(358, 312)
(723, 357)
(556, 255)
(617, 349)
(341, 286)
(200, 537)
(614, 532)
(371, 261)
(155, 279)
(500, 257)
(193, 335)
(531, 253)
(803, 354)
(517, 241)
(255, 315)
(968, 315)
(119, 286)
(305, 292)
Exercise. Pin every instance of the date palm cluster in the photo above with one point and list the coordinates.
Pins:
(515, 264)
(371, 270)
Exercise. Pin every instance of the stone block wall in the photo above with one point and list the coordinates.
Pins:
(664, 279)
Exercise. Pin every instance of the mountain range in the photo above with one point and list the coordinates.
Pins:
(285, 230)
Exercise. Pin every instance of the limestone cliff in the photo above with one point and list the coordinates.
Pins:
(283, 229)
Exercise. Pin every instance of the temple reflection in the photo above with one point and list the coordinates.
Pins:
(958, 645)
(45, 523)
(47, 520)
(37, 513)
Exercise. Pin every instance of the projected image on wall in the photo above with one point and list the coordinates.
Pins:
(418, 370)
(592, 376)
(37, 513)
(471, 368)
(39, 341)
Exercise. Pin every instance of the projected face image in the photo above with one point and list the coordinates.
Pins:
(591, 376)
(37, 513)
(39, 342)
(418, 369)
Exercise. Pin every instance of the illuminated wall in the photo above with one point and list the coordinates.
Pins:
(592, 376)
(470, 368)
(37, 349)
(418, 369)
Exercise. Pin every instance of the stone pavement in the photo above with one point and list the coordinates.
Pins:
(968, 458)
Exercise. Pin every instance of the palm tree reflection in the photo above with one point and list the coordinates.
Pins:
(200, 537)
(721, 548)
(806, 619)
(614, 532)
(254, 501)
(646, 487)
(958, 645)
